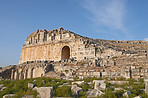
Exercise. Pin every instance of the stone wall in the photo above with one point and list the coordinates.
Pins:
(37, 48)
(6, 71)
(75, 55)
(31, 70)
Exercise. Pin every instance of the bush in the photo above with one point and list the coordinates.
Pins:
(108, 84)
(82, 94)
(18, 87)
(64, 91)
(85, 87)
(119, 93)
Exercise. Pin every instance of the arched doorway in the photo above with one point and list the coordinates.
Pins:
(65, 53)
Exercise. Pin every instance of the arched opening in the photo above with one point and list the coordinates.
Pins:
(65, 53)
(32, 73)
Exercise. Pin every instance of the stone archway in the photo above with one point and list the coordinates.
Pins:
(65, 53)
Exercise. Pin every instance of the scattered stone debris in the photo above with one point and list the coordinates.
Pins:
(126, 94)
(31, 85)
(94, 93)
(118, 82)
(99, 84)
(9, 96)
(116, 89)
(65, 55)
(78, 82)
(75, 89)
(27, 96)
(138, 97)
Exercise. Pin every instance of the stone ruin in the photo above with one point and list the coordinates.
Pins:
(31, 70)
(62, 53)
(56, 45)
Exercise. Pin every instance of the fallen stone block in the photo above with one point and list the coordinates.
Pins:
(94, 93)
(79, 82)
(99, 84)
(27, 96)
(75, 89)
(126, 94)
(44, 92)
(31, 85)
(9, 96)
(138, 97)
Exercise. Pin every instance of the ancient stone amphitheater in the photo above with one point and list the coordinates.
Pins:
(62, 53)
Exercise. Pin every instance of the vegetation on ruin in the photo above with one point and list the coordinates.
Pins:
(62, 88)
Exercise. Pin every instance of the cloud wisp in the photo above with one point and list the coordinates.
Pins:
(108, 13)
(146, 39)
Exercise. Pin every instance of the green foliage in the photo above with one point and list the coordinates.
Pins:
(121, 79)
(66, 71)
(96, 50)
(64, 91)
(18, 87)
(108, 94)
(82, 94)
(131, 81)
(90, 79)
(119, 93)
(85, 87)
(108, 84)
(114, 58)
(76, 78)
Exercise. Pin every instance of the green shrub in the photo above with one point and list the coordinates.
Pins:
(82, 94)
(108, 84)
(119, 93)
(64, 91)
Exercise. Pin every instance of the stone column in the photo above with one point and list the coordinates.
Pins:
(41, 36)
(146, 86)
(12, 74)
(16, 75)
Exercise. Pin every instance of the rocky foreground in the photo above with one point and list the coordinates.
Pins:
(74, 87)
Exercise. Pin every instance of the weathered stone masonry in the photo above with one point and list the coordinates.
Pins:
(65, 53)
(55, 45)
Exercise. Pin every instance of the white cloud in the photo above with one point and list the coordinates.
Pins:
(146, 39)
(108, 13)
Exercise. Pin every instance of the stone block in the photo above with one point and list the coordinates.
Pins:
(79, 82)
(31, 85)
(75, 89)
(138, 97)
(99, 84)
(126, 94)
(146, 86)
(27, 96)
(94, 93)
(45, 92)
(9, 96)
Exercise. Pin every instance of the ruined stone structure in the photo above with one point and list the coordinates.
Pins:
(31, 70)
(146, 86)
(55, 45)
(61, 52)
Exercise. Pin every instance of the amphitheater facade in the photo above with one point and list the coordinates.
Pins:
(55, 45)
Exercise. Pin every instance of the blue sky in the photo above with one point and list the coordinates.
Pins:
(100, 19)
